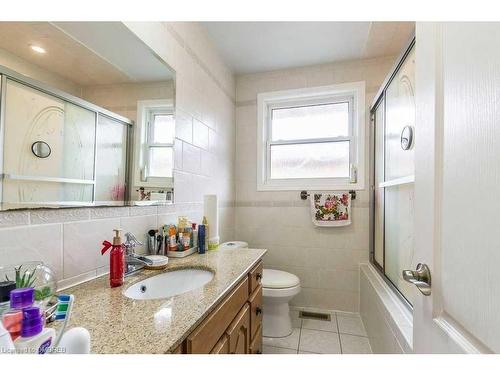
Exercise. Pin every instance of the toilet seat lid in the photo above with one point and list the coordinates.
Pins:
(276, 279)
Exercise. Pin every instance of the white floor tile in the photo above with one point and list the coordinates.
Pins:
(288, 342)
(319, 342)
(303, 352)
(355, 344)
(274, 350)
(294, 313)
(347, 313)
(296, 321)
(321, 325)
(351, 324)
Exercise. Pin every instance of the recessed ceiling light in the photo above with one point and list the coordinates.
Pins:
(37, 49)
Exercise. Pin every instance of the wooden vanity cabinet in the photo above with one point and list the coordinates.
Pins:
(235, 326)
(256, 311)
(255, 277)
(239, 332)
(256, 344)
(222, 346)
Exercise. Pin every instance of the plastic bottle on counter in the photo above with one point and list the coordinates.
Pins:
(195, 235)
(207, 230)
(201, 239)
(12, 318)
(35, 339)
(172, 238)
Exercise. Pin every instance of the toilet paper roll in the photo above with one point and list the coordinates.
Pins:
(211, 212)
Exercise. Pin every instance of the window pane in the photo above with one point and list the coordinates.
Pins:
(162, 129)
(311, 160)
(315, 121)
(160, 161)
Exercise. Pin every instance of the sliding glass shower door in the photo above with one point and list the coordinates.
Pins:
(393, 179)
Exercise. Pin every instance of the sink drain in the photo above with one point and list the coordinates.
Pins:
(143, 288)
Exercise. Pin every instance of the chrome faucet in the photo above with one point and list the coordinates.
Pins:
(133, 261)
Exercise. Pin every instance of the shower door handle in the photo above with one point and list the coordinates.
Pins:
(421, 278)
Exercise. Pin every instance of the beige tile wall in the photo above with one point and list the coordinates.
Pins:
(70, 239)
(325, 259)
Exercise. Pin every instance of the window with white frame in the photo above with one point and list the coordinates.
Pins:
(154, 139)
(159, 148)
(311, 138)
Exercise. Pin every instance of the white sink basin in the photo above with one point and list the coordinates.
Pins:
(169, 284)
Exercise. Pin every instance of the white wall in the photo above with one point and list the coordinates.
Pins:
(205, 124)
(325, 259)
(70, 239)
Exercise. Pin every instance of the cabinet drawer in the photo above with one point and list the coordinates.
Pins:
(256, 345)
(255, 310)
(239, 332)
(222, 346)
(255, 277)
(208, 333)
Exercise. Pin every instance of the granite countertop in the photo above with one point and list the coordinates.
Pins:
(118, 324)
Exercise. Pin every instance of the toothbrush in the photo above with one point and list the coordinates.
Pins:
(63, 312)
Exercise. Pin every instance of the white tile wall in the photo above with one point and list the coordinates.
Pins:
(70, 239)
(325, 259)
(35, 242)
(82, 244)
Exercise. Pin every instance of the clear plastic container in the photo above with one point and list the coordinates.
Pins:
(34, 274)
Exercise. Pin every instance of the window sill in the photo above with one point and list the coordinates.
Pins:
(324, 186)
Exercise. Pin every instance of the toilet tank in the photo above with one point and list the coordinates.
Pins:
(234, 245)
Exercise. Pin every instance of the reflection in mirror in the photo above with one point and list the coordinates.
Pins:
(88, 122)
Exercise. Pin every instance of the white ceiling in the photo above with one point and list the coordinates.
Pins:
(249, 47)
(86, 53)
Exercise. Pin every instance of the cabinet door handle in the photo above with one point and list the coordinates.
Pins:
(258, 310)
(258, 276)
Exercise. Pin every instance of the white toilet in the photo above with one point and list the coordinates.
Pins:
(278, 288)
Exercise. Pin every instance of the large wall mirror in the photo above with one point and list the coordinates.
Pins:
(87, 117)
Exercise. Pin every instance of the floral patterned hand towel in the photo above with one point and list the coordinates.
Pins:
(331, 209)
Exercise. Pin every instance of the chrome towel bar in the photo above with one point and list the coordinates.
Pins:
(304, 194)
